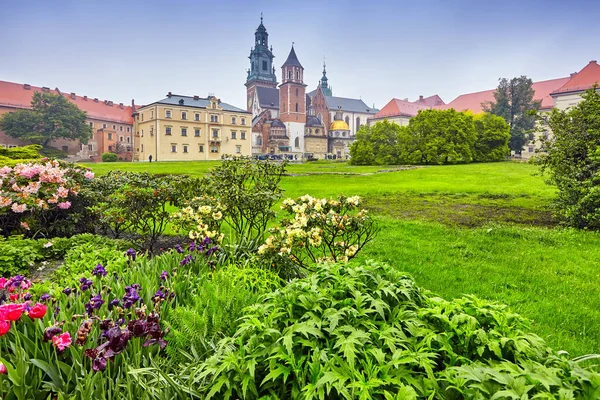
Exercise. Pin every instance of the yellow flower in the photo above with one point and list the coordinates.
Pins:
(217, 216)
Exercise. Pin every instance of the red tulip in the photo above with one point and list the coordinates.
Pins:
(62, 341)
(14, 297)
(11, 312)
(4, 327)
(37, 311)
(3, 370)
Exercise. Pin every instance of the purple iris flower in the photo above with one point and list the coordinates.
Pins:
(99, 270)
(158, 295)
(67, 291)
(56, 311)
(187, 259)
(192, 246)
(113, 303)
(212, 250)
(164, 275)
(85, 284)
(131, 295)
(179, 249)
(131, 254)
(45, 297)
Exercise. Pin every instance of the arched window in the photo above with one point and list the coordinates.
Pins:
(296, 92)
(357, 123)
(289, 74)
(298, 75)
(259, 140)
(296, 107)
(347, 120)
(297, 142)
(233, 120)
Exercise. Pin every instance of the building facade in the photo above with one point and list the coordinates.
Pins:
(112, 123)
(191, 128)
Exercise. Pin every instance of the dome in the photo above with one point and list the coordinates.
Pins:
(339, 125)
(311, 120)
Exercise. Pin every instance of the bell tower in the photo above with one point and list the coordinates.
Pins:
(292, 91)
(261, 71)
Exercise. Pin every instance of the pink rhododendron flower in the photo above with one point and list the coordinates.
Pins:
(89, 175)
(25, 225)
(5, 201)
(62, 341)
(19, 208)
(64, 205)
(62, 192)
(53, 200)
(4, 171)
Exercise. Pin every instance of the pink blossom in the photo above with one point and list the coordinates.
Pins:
(62, 341)
(64, 205)
(3, 282)
(25, 225)
(19, 208)
(33, 187)
(89, 175)
(62, 192)
(53, 200)
(4, 171)
(5, 202)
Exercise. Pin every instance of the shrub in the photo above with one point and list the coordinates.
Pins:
(109, 157)
(367, 331)
(17, 255)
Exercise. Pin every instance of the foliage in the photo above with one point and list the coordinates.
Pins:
(109, 157)
(34, 196)
(493, 135)
(320, 230)
(17, 255)
(201, 217)
(513, 101)
(51, 152)
(367, 331)
(247, 189)
(22, 152)
(572, 162)
(50, 117)
(432, 137)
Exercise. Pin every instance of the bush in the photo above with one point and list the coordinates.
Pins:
(367, 331)
(17, 255)
(572, 162)
(109, 157)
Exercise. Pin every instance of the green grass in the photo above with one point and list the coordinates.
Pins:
(478, 229)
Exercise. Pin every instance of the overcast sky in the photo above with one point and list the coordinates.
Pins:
(375, 50)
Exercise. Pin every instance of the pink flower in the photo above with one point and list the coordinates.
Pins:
(3, 282)
(3, 370)
(64, 205)
(4, 327)
(11, 312)
(18, 208)
(5, 201)
(62, 192)
(89, 175)
(53, 200)
(38, 311)
(25, 225)
(62, 341)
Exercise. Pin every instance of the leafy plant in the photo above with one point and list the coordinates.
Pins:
(17, 255)
(109, 157)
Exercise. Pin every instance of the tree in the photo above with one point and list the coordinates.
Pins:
(493, 134)
(50, 117)
(376, 144)
(443, 136)
(514, 102)
(572, 161)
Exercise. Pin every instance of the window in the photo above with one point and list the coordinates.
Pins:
(289, 74)
(264, 65)
(183, 115)
(309, 131)
(233, 120)
(296, 107)
(197, 117)
(114, 127)
(296, 92)
(128, 129)
(142, 116)
(357, 123)
(298, 75)
(201, 148)
(317, 130)
(90, 147)
(347, 120)
(66, 148)
(183, 131)
(104, 126)
(121, 128)
(243, 122)
(110, 148)
(259, 140)
(243, 135)
(128, 148)
(142, 147)
(110, 136)
(238, 149)
(214, 118)
(151, 131)
(215, 133)
(185, 147)
(531, 149)
(233, 134)
(168, 131)
(173, 148)
(120, 138)
(91, 124)
(168, 114)
(151, 114)
(214, 149)
(128, 139)
(197, 132)
(297, 142)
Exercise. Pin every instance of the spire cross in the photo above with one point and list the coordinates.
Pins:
(261, 18)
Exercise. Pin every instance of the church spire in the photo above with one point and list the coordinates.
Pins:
(261, 57)
(324, 85)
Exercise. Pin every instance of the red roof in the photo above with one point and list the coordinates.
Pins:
(472, 101)
(397, 107)
(583, 80)
(19, 96)
(430, 101)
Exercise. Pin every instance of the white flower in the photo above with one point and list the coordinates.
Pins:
(49, 244)
(217, 216)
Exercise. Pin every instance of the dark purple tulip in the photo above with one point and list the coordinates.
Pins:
(45, 297)
(27, 296)
(99, 270)
(50, 332)
(106, 324)
(138, 328)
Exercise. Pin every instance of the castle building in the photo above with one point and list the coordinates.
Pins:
(112, 123)
(191, 128)
(287, 120)
(340, 136)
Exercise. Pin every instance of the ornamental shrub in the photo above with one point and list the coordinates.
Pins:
(368, 332)
(109, 157)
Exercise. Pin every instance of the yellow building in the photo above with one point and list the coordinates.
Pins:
(191, 128)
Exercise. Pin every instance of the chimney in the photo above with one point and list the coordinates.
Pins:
(593, 62)
(85, 98)
(196, 97)
(573, 74)
(96, 99)
(57, 90)
(181, 102)
(27, 86)
(110, 103)
(169, 95)
(105, 102)
(73, 95)
(45, 89)
(121, 106)
(420, 97)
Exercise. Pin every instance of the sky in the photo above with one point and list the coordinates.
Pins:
(374, 50)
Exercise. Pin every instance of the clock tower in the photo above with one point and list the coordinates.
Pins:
(261, 71)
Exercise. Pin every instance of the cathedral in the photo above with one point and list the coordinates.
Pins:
(288, 121)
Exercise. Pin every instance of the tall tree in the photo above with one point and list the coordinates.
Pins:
(493, 134)
(514, 102)
(50, 117)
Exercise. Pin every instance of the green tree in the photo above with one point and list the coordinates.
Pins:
(443, 136)
(50, 117)
(513, 101)
(493, 134)
(572, 161)
(361, 150)
(376, 144)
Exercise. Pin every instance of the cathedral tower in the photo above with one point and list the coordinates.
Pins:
(261, 71)
(323, 83)
(292, 101)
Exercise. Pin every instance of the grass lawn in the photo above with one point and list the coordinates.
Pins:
(482, 229)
